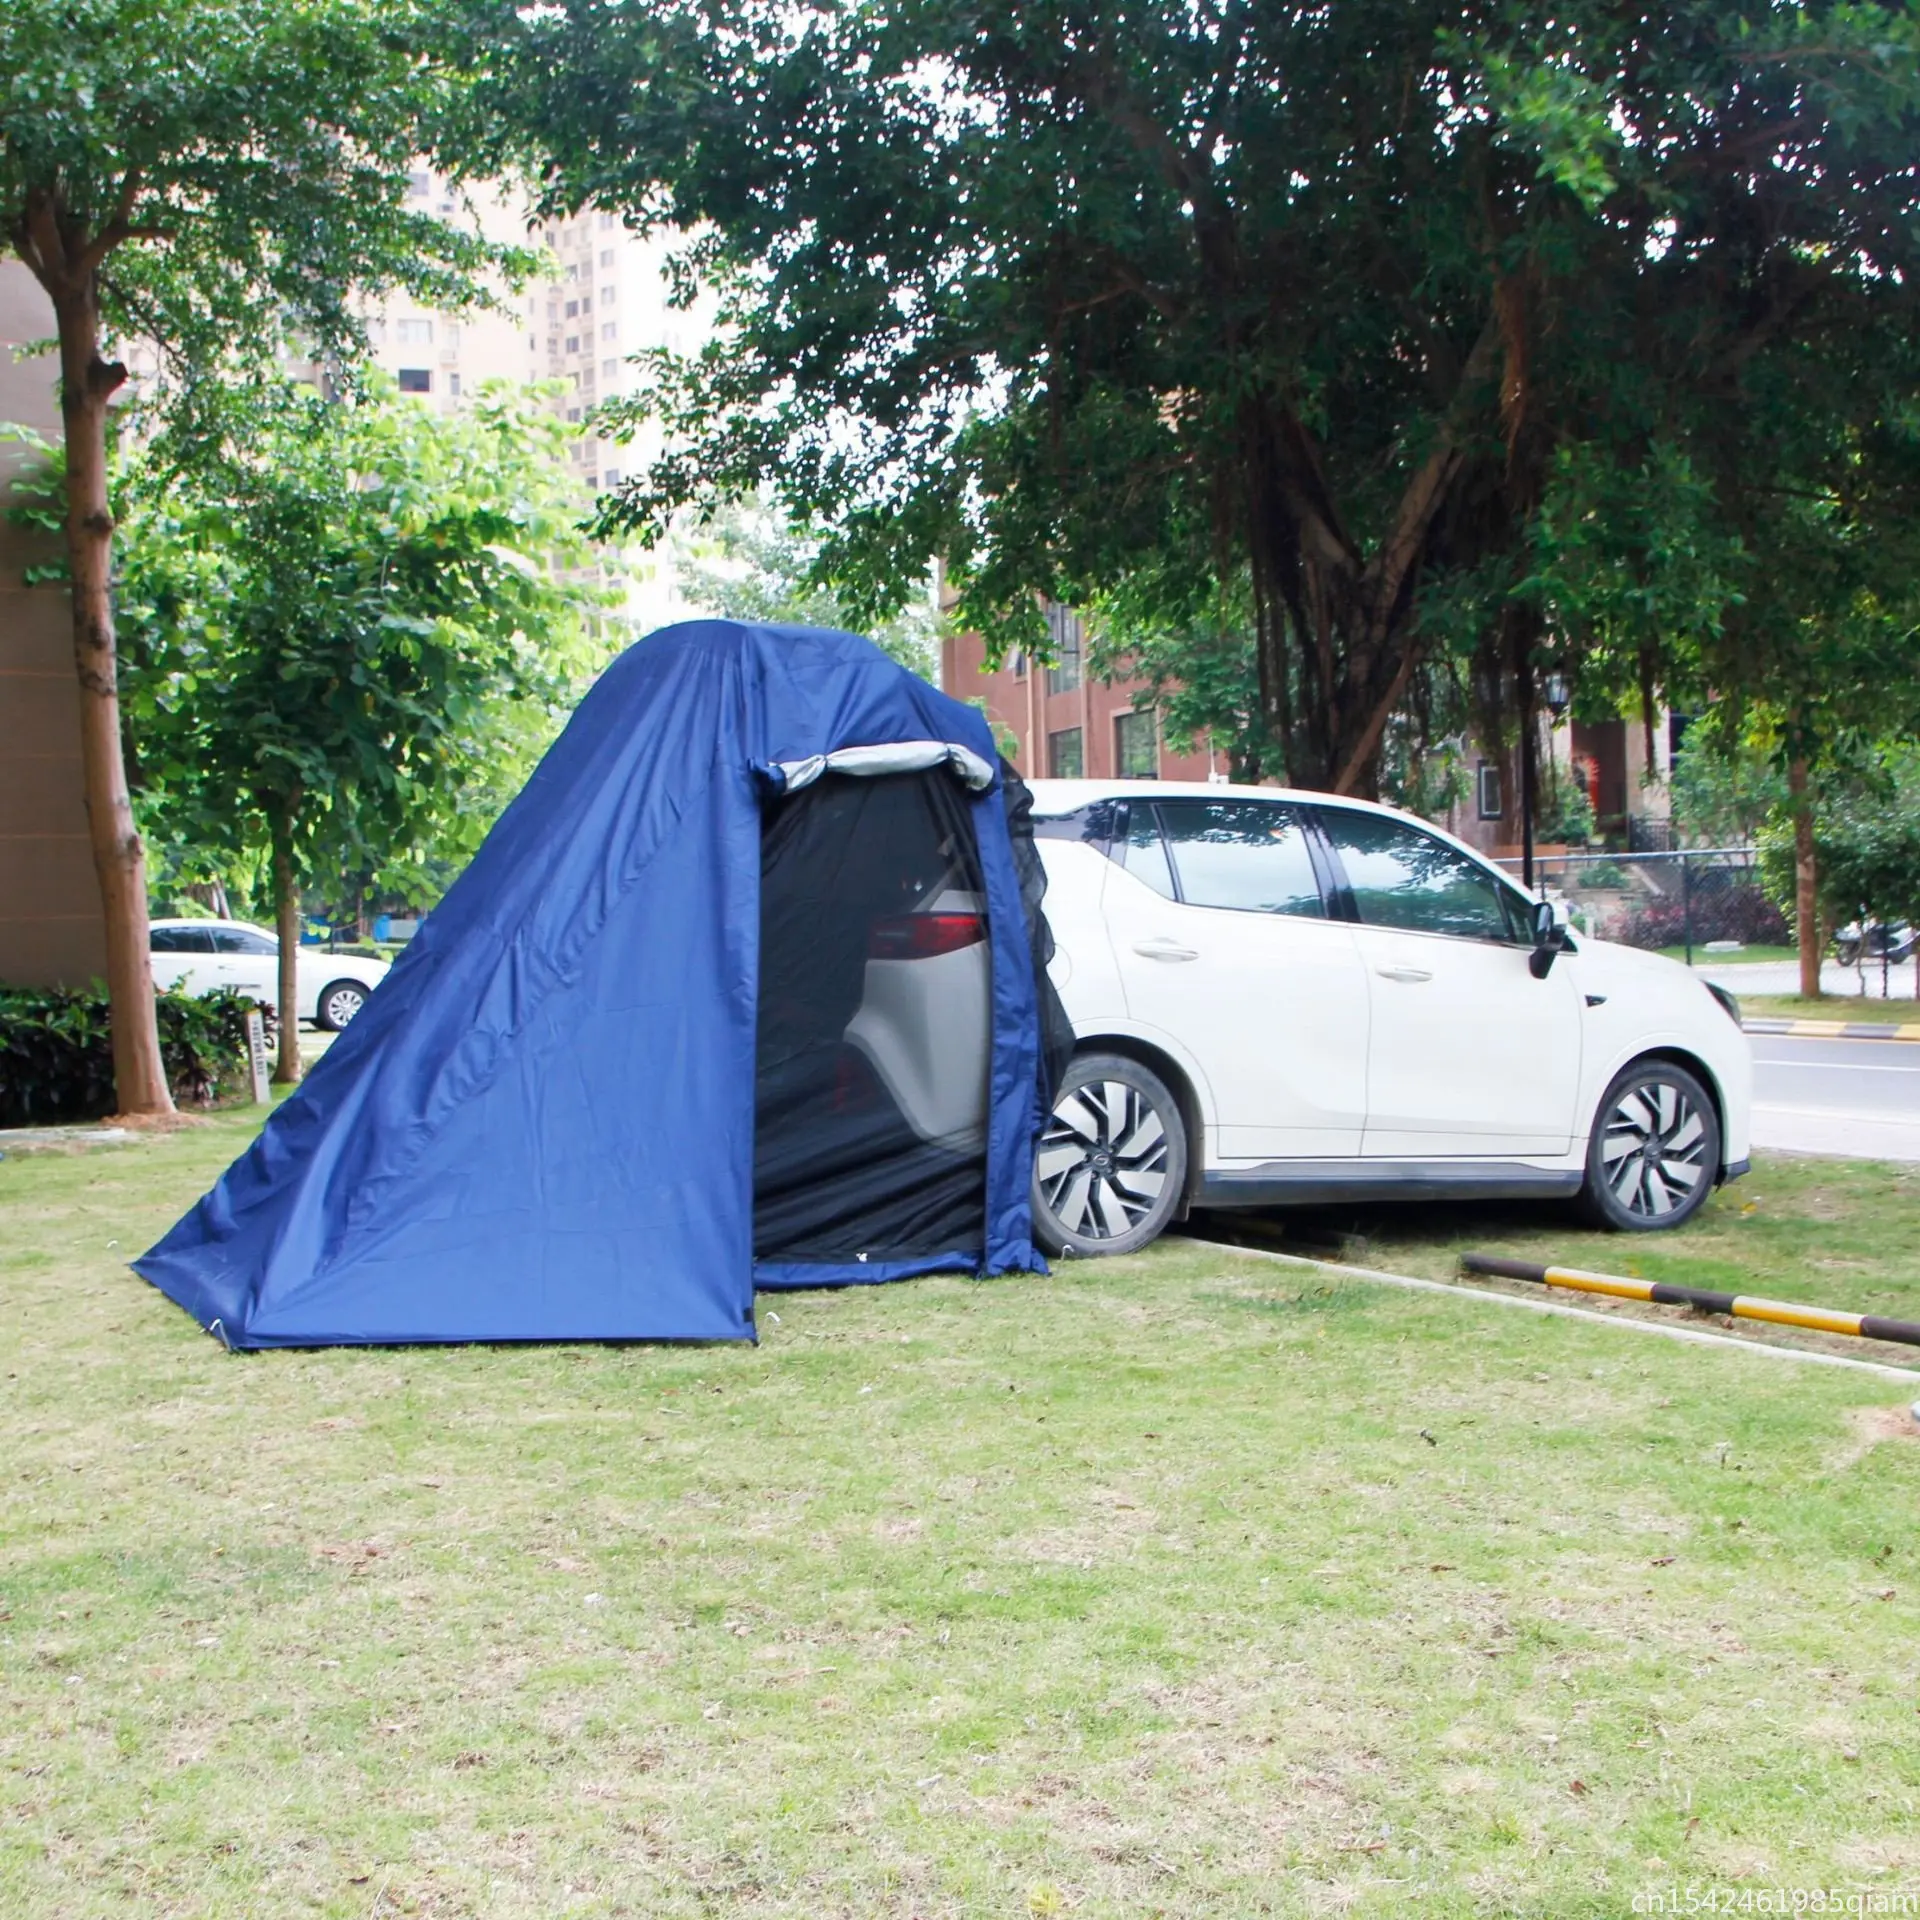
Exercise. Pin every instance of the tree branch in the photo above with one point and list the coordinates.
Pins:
(118, 225)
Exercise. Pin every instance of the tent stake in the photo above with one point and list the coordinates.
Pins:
(1780, 1313)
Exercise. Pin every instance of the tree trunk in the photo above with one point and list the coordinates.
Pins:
(119, 859)
(1806, 881)
(286, 923)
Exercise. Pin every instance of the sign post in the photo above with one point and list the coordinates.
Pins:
(257, 1057)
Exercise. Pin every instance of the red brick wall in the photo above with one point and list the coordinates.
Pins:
(1018, 703)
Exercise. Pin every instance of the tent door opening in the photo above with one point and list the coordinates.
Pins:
(875, 1030)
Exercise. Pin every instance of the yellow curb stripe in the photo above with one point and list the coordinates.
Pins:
(1782, 1313)
(1599, 1283)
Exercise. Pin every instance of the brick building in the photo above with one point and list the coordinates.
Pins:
(1068, 725)
(51, 928)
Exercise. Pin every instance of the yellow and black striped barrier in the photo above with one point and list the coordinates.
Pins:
(1782, 1313)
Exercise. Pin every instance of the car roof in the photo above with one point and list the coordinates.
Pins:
(204, 921)
(1052, 797)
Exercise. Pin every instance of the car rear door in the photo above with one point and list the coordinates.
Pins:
(183, 960)
(1221, 931)
(249, 963)
(1468, 1053)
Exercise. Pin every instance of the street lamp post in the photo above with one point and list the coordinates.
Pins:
(1554, 691)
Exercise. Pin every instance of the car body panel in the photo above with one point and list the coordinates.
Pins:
(1469, 1053)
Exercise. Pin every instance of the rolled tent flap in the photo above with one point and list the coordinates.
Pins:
(899, 756)
(542, 1125)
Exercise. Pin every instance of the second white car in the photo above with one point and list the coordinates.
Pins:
(203, 956)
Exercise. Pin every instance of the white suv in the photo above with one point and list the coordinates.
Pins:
(1281, 998)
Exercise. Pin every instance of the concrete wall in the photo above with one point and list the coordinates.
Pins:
(50, 925)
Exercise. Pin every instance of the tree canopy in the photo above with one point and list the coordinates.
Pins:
(214, 180)
(348, 636)
(1335, 297)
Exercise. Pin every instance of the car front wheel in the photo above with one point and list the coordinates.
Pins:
(1654, 1152)
(338, 1005)
(1112, 1164)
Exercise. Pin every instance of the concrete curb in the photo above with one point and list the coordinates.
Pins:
(1834, 1029)
(1657, 1329)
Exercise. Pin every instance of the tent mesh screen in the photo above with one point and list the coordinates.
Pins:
(875, 1034)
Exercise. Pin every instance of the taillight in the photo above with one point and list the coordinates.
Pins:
(920, 936)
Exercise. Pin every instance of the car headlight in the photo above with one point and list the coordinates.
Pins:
(1728, 1004)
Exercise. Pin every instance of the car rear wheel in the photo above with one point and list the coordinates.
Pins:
(1654, 1152)
(338, 1005)
(1112, 1164)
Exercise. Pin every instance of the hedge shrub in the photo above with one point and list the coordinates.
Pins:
(56, 1052)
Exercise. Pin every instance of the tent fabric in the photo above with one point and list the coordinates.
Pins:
(541, 1126)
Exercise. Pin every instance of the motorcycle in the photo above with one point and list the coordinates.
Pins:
(1874, 941)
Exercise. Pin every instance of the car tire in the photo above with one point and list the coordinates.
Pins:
(338, 1004)
(1654, 1153)
(1111, 1170)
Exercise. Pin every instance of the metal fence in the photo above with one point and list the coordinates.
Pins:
(1696, 900)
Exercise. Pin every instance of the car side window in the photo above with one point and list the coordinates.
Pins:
(241, 940)
(1406, 879)
(181, 940)
(1248, 855)
(1141, 850)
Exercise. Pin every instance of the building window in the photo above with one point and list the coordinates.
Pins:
(1066, 759)
(609, 368)
(413, 333)
(606, 296)
(453, 385)
(450, 336)
(415, 380)
(419, 185)
(611, 476)
(573, 307)
(1065, 633)
(573, 343)
(1487, 788)
(610, 331)
(573, 413)
(606, 256)
(606, 222)
(1136, 746)
(586, 305)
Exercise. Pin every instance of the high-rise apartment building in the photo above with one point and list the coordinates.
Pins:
(603, 299)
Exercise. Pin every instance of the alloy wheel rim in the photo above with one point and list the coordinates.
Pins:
(1103, 1160)
(342, 1006)
(1653, 1153)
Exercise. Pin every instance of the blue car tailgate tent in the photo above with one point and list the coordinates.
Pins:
(609, 1087)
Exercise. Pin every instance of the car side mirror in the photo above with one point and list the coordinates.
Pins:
(1549, 937)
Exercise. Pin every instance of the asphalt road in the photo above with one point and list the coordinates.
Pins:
(1860, 1098)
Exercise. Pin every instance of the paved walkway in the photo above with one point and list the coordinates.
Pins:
(1783, 976)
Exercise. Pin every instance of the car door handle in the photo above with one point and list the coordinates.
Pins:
(1164, 950)
(1411, 975)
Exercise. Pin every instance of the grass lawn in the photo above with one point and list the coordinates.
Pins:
(1187, 1584)
(1903, 1011)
